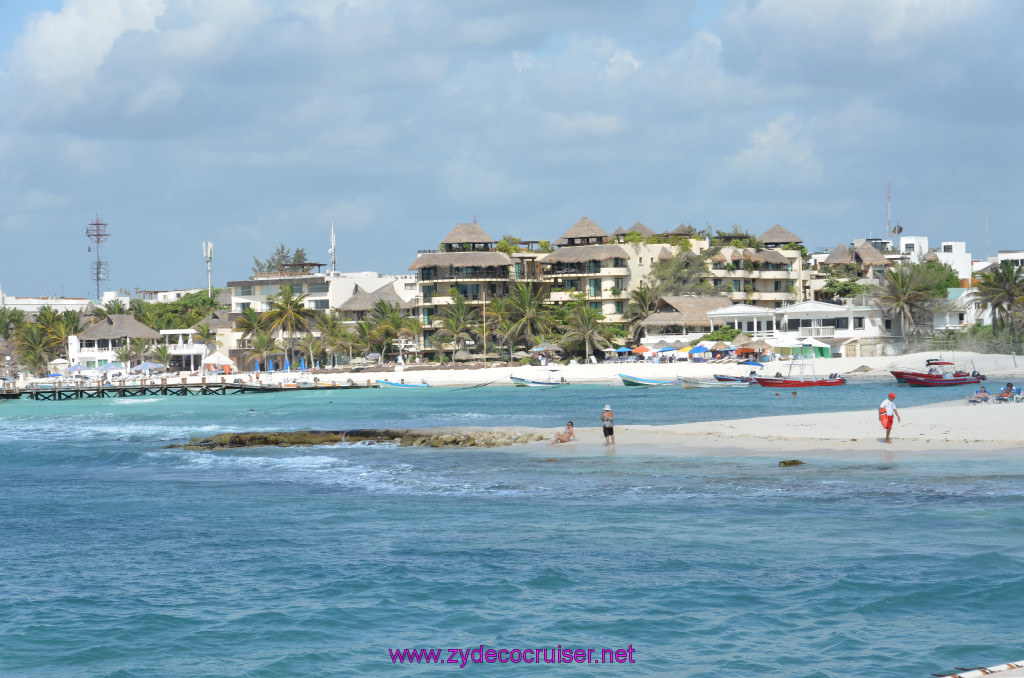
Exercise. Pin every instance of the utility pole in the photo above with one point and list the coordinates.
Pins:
(334, 262)
(97, 232)
(208, 255)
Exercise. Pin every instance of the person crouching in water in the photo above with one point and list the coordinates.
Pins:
(886, 411)
(565, 436)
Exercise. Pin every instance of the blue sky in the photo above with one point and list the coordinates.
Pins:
(254, 122)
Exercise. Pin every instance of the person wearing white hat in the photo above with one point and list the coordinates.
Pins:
(608, 424)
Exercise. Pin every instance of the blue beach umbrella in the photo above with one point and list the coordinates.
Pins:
(699, 349)
(752, 363)
(302, 364)
(257, 366)
(622, 349)
(270, 364)
(287, 364)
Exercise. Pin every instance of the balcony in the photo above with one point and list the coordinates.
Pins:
(817, 332)
(463, 275)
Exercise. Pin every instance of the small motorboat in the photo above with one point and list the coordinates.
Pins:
(690, 382)
(944, 379)
(936, 368)
(640, 381)
(395, 384)
(551, 381)
(786, 382)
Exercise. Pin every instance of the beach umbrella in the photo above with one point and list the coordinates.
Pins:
(741, 339)
(698, 349)
(77, 367)
(641, 349)
(270, 364)
(752, 363)
(302, 364)
(111, 366)
(54, 374)
(373, 356)
(760, 345)
(622, 349)
(287, 364)
(147, 365)
(665, 349)
(257, 366)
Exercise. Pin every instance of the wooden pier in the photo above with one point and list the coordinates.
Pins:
(164, 389)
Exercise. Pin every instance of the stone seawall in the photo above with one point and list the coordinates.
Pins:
(402, 436)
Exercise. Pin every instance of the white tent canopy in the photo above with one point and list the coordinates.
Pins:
(218, 358)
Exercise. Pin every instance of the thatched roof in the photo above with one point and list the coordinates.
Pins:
(460, 259)
(777, 235)
(361, 300)
(839, 255)
(688, 310)
(218, 320)
(640, 228)
(584, 228)
(619, 231)
(738, 255)
(930, 255)
(463, 354)
(869, 256)
(119, 326)
(580, 253)
(770, 257)
(665, 254)
(741, 339)
(471, 233)
(684, 230)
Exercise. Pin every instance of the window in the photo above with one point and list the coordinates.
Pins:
(619, 307)
(268, 290)
(320, 304)
(963, 317)
(245, 291)
(317, 288)
(908, 248)
(595, 287)
(750, 326)
(619, 263)
(620, 283)
(596, 305)
(947, 249)
(858, 322)
(842, 323)
(888, 323)
(781, 285)
(793, 325)
(242, 305)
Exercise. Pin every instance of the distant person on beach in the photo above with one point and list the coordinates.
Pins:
(565, 436)
(1006, 394)
(981, 396)
(608, 425)
(886, 411)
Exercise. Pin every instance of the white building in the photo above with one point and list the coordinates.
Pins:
(322, 290)
(850, 329)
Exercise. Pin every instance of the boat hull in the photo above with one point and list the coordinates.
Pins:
(640, 381)
(689, 382)
(932, 380)
(782, 382)
(393, 384)
(727, 378)
(519, 381)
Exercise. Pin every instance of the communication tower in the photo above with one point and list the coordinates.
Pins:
(208, 255)
(97, 232)
(334, 262)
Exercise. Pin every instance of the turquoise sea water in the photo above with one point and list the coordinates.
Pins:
(119, 557)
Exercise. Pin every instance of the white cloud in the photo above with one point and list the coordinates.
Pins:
(782, 151)
(621, 64)
(58, 48)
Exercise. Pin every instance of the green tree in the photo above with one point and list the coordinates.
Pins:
(124, 355)
(529, 316)
(906, 295)
(509, 244)
(836, 288)
(262, 345)
(250, 322)
(390, 324)
(10, 319)
(282, 258)
(34, 346)
(161, 353)
(288, 313)
(584, 325)
(1001, 291)
(685, 273)
(207, 335)
(458, 322)
(642, 302)
(313, 347)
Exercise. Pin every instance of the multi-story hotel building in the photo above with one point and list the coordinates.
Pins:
(771, 277)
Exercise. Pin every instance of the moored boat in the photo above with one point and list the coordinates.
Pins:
(522, 381)
(640, 381)
(936, 368)
(945, 379)
(691, 382)
(786, 382)
(395, 384)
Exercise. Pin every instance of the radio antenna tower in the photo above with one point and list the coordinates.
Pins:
(334, 262)
(888, 210)
(208, 255)
(97, 232)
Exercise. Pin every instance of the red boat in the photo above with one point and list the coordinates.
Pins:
(937, 369)
(783, 382)
(946, 379)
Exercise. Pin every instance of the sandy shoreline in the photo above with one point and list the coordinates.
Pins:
(940, 430)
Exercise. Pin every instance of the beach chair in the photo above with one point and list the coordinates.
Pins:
(977, 398)
(1018, 396)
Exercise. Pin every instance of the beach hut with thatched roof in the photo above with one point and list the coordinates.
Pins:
(362, 302)
(467, 237)
(665, 254)
(872, 262)
(683, 314)
(638, 227)
(583, 232)
(98, 344)
(839, 255)
(777, 236)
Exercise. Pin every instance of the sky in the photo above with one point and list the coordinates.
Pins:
(249, 123)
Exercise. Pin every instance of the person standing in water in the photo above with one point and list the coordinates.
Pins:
(886, 411)
(608, 425)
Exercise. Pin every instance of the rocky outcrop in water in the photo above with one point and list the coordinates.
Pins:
(403, 437)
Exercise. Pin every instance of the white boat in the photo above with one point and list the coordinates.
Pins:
(690, 382)
(551, 381)
(395, 384)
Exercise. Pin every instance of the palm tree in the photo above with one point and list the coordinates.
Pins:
(313, 346)
(161, 354)
(458, 321)
(34, 346)
(251, 322)
(499, 323)
(1002, 291)
(10, 319)
(139, 347)
(124, 356)
(262, 345)
(530, 318)
(288, 313)
(901, 294)
(642, 302)
(584, 324)
(391, 324)
(206, 335)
